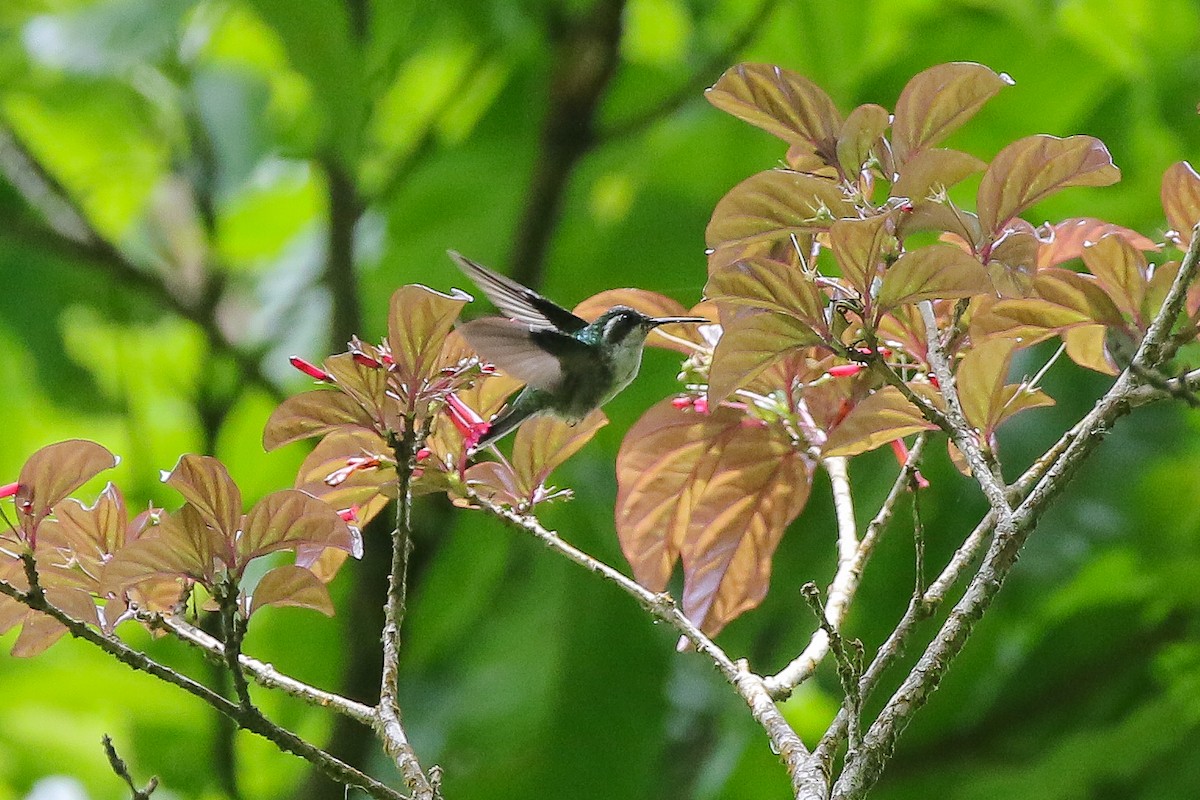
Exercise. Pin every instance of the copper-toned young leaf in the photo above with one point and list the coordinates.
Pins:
(367, 489)
(719, 495)
(1012, 260)
(37, 634)
(882, 417)
(1085, 346)
(929, 171)
(1065, 240)
(56, 470)
(290, 585)
(367, 385)
(750, 342)
(495, 481)
(313, 413)
(418, 320)
(1079, 292)
(765, 284)
(285, 519)
(1181, 200)
(937, 271)
(1122, 271)
(183, 545)
(937, 101)
(773, 205)
(90, 532)
(1033, 168)
(543, 443)
(859, 133)
(986, 399)
(858, 245)
(1161, 278)
(205, 484)
(780, 102)
(652, 304)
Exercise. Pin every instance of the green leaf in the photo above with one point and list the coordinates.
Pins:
(937, 101)
(937, 271)
(882, 417)
(750, 342)
(1181, 200)
(313, 413)
(718, 495)
(56, 470)
(1033, 168)
(780, 102)
(290, 585)
(773, 205)
(859, 134)
(205, 484)
(288, 518)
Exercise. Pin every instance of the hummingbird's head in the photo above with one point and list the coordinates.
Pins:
(624, 325)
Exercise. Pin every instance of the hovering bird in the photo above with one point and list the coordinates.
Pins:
(570, 366)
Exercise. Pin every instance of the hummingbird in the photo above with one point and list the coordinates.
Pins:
(570, 366)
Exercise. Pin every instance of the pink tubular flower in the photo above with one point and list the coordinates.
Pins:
(349, 514)
(467, 420)
(901, 451)
(701, 405)
(366, 361)
(9, 489)
(844, 370)
(353, 464)
(423, 453)
(681, 402)
(310, 369)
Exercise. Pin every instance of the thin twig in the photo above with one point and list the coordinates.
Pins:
(122, 771)
(263, 674)
(845, 582)
(388, 725)
(661, 606)
(249, 720)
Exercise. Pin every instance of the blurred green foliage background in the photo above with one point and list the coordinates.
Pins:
(192, 190)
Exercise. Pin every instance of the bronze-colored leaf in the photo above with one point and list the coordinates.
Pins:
(543, 443)
(1033, 168)
(90, 532)
(773, 205)
(780, 102)
(860, 132)
(285, 519)
(750, 342)
(418, 320)
(652, 304)
(366, 385)
(1122, 271)
(37, 634)
(1065, 240)
(290, 585)
(366, 489)
(1079, 292)
(929, 171)
(56, 470)
(313, 413)
(882, 417)
(718, 495)
(764, 284)
(183, 545)
(495, 481)
(1161, 278)
(1012, 260)
(859, 245)
(937, 271)
(1181, 200)
(205, 484)
(937, 101)
(986, 399)
(1085, 346)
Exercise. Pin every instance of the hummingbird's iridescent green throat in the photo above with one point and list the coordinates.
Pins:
(569, 366)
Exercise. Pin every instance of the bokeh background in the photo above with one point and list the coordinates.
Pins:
(192, 190)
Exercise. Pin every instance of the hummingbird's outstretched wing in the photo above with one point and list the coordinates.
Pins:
(534, 356)
(518, 302)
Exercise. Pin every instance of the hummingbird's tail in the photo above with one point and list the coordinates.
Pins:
(508, 420)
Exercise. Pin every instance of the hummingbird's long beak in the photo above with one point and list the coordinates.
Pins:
(675, 320)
